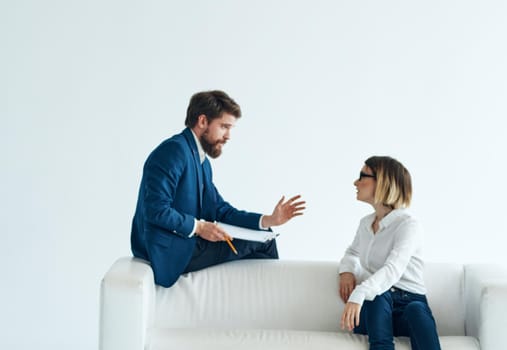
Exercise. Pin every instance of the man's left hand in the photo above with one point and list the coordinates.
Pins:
(284, 211)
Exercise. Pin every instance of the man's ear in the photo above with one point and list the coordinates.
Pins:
(202, 122)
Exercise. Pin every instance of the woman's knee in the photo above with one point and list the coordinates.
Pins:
(377, 312)
(418, 311)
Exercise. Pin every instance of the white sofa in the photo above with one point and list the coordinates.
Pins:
(277, 304)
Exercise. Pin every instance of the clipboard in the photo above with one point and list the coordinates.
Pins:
(248, 234)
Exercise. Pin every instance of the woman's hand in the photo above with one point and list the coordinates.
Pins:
(346, 285)
(350, 316)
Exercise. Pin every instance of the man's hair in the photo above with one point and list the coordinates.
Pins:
(212, 104)
(394, 183)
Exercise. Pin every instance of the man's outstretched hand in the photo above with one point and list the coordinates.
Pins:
(284, 211)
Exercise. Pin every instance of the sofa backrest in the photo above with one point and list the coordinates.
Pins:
(445, 285)
(278, 294)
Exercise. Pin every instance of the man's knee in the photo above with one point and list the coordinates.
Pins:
(271, 249)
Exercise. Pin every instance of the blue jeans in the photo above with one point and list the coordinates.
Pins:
(398, 313)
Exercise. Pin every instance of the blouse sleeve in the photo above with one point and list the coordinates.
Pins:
(350, 261)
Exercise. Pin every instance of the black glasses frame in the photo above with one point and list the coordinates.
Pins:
(363, 174)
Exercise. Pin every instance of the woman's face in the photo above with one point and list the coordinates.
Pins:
(365, 185)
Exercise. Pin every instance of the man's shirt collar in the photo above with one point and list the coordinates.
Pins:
(202, 154)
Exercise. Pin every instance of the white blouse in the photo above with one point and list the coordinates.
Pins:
(390, 257)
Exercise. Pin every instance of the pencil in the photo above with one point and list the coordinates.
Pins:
(230, 245)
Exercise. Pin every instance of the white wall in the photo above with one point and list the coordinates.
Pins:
(89, 88)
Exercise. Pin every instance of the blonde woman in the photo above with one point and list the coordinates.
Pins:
(386, 252)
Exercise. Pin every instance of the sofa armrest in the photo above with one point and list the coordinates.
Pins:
(492, 318)
(486, 304)
(127, 301)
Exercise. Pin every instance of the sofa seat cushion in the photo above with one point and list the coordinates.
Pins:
(246, 339)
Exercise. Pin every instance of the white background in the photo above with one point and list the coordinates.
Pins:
(89, 88)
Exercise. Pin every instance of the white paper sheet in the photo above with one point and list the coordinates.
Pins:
(247, 234)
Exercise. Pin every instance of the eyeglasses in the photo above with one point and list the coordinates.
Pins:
(363, 174)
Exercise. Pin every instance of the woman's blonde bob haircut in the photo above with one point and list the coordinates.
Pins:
(394, 183)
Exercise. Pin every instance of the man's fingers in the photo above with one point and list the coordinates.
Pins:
(222, 235)
(297, 208)
(294, 198)
(217, 233)
(297, 204)
(228, 236)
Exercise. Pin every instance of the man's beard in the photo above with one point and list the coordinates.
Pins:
(212, 149)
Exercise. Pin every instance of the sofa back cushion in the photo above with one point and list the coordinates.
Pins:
(444, 283)
(277, 294)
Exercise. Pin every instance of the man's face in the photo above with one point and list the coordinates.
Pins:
(217, 133)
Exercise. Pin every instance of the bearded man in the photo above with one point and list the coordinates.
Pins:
(175, 223)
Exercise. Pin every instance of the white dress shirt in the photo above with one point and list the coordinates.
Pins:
(390, 257)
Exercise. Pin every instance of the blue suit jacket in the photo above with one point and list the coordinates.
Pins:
(175, 189)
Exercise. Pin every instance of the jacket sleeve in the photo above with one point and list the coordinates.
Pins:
(228, 214)
(162, 173)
